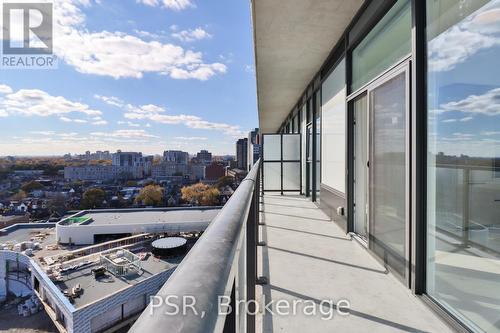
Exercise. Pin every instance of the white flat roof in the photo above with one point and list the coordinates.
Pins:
(166, 216)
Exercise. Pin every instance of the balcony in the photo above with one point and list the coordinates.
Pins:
(282, 250)
(308, 257)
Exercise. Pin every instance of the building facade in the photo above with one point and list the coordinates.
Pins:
(197, 171)
(214, 171)
(253, 148)
(242, 153)
(399, 129)
(168, 168)
(204, 157)
(96, 314)
(176, 156)
(103, 172)
(133, 159)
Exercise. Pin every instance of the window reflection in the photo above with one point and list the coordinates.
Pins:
(463, 198)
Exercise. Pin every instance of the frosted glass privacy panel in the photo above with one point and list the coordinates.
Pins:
(272, 147)
(291, 147)
(272, 176)
(291, 176)
(387, 43)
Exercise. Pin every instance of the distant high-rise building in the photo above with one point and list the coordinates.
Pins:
(242, 153)
(176, 156)
(133, 159)
(253, 148)
(204, 157)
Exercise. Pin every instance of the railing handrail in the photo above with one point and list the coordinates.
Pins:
(468, 166)
(205, 272)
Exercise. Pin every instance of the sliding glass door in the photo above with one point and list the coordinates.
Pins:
(360, 112)
(388, 175)
(381, 175)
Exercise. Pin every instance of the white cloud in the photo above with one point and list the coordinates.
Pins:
(191, 138)
(99, 122)
(119, 55)
(73, 120)
(466, 119)
(463, 135)
(176, 5)
(111, 100)
(202, 72)
(124, 134)
(45, 133)
(250, 69)
(147, 34)
(490, 133)
(5, 89)
(67, 135)
(486, 104)
(455, 45)
(189, 121)
(129, 123)
(452, 120)
(192, 35)
(35, 102)
(158, 114)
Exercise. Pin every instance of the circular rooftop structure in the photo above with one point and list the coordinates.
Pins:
(169, 246)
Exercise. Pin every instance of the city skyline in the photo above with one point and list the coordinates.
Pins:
(182, 52)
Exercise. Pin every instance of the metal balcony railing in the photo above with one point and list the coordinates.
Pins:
(221, 268)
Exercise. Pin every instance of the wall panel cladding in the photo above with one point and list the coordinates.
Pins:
(330, 201)
(83, 317)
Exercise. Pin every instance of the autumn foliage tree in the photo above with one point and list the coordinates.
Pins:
(200, 194)
(20, 195)
(31, 186)
(151, 195)
(93, 198)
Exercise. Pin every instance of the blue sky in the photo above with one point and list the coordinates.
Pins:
(145, 75)
(464, 93)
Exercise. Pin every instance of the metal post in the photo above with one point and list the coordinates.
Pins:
(281, 162)
(465, 207)
(230, 323)
(251, 249)
(314, 130)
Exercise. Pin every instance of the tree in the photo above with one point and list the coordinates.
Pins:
(93, 198)
(131, 183)
(58, 205)
(224, 181)
(200, 194)
(52, 170)
(31, 186)
(20, 195)
(151, 195)
(149, 182)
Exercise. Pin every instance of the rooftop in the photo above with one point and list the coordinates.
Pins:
(151, 216)
(95, 289)
(45, 235)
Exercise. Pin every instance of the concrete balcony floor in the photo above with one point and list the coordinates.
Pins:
(308, 257)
